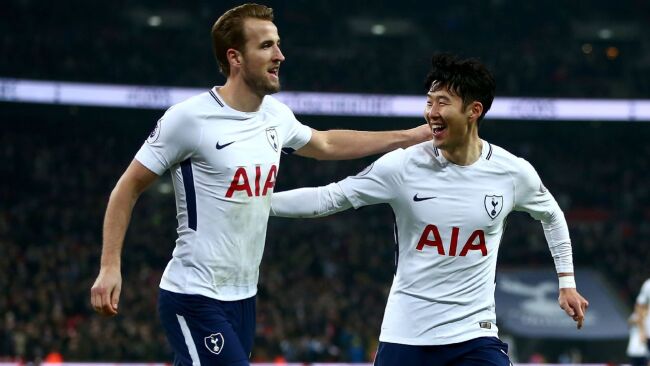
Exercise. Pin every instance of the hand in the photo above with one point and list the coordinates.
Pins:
(105, 293)
(573, 304)
(421, 133)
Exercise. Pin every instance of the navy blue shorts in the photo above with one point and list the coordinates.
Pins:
(475, 352)
(207, 331)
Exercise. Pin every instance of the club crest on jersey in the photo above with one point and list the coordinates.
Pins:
(214, 343)
(493, 205)
(272, 136)
(153, 136)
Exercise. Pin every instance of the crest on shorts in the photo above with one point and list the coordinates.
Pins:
(272, 136)
(493, 205)
(214, 343)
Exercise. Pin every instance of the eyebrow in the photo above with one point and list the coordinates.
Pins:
(431, 96)
(270, 40)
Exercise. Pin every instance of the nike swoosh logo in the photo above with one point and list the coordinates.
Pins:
(219, 147)
(418, 199)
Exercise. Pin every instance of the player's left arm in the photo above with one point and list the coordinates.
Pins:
(350, 144)
(531, 196)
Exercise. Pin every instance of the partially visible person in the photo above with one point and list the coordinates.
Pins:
(637, 350)
(639, 322)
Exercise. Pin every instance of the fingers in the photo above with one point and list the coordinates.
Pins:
(103, 299)
(575, 307)
(580, 307)
(568, 309)
(115, 298)
(107, 306)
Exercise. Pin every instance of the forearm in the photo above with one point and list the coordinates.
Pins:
(355, 144)
(557, 236)
(349, 144)
(309, 202)
(116, 222)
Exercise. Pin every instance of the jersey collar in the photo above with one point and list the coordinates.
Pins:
(486, 154)
(223, 106)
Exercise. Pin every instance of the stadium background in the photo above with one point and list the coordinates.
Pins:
(324, 282)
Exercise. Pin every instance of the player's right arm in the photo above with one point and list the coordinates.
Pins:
(309, 202)
(105, 293)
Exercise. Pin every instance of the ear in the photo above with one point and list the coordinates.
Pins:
(475, 110)
(234, 57)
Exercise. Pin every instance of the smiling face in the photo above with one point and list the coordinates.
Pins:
(261, 57)
(453, 124)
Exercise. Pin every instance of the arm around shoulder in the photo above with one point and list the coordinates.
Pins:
(350, 144)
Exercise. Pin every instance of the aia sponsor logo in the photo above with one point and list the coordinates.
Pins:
(431, 238)
(255, 186)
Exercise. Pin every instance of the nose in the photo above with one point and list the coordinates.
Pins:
(431, 113)
(278, 56)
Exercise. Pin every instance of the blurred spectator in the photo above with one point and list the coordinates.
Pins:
(561, 49)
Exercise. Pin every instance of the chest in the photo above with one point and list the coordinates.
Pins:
(461, 198)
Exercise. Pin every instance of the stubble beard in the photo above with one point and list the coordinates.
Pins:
(261, 85)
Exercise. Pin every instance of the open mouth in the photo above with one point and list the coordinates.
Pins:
(275, 71)
(438, 129)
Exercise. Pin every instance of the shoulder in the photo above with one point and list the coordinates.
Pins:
(523, 175)
(190, 108)
(513, 164)
(273, 105)
(388, 164)
(646, 285)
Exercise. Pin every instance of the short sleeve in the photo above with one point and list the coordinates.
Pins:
(174, 139)
(378, 183)
(298, 135)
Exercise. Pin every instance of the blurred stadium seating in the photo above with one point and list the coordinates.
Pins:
(323, 282)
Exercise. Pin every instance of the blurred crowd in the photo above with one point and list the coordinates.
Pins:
(323, 282)
(551, 48)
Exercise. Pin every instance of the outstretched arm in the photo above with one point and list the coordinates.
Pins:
(105, 293)
(309, 202)
(349, 144)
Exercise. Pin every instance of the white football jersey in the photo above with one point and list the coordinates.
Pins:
(449, 224)
(224, 164)
(644, 299)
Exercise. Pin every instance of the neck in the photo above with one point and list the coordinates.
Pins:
(239, 96)
(466, 154)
